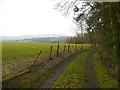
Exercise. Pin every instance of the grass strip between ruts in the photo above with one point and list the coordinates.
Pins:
(74, 74)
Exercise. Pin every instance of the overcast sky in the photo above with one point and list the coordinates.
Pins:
(32, 17)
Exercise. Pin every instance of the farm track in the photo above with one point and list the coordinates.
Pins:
(91, 80)
(59, 70)
(90, 72)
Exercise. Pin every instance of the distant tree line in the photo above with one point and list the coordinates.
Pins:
(78, 39)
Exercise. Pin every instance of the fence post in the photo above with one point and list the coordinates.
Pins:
(75, 46)
(69, 47)
(64, 48)
(51, 53)
(36, 58)
(58, 49)
(72, 48)
(79, 47)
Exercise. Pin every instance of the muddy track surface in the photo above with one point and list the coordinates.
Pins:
(59, 70)
(90, 72)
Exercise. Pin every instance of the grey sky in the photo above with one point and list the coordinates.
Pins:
(31, 17)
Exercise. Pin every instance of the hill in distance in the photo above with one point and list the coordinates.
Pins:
(36, 38)
(45, 39)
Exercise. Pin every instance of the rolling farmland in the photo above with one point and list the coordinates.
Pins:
(17, 56)
(60, 44)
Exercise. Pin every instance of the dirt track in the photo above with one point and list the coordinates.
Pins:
(58, 70)
(90, 73)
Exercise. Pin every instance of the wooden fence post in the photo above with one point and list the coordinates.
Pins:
(75, 47)
(79, 47)
(36, 58)
(72, 47)
(64, 48)
(69, 47)
(58, 49)
(51, 53)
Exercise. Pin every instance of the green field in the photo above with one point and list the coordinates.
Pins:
(17, 56)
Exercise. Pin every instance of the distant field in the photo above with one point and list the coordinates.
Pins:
(18, 55)
(12, 51)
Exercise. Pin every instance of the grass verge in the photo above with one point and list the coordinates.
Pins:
(74, 75)
(104, 80)
(39, 76)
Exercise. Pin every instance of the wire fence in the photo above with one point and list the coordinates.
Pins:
(67, 48)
